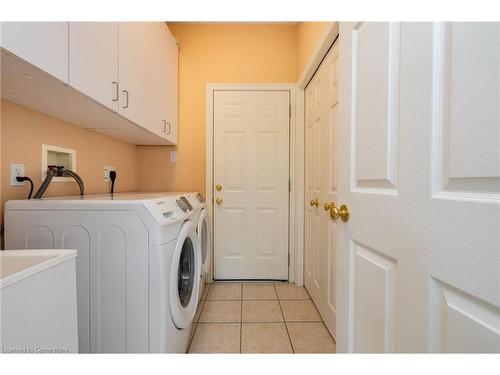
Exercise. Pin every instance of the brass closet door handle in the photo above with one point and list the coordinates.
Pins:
(344, 213)
(334, 210)
(314, 202)
(218, 200)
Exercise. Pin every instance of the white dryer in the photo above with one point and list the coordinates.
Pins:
(201, 218)
(138, 265)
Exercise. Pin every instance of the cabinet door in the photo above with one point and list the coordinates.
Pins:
(132, 70)
(93, 61)
(172, 87)
(156, 80)
(42, 44)
(162, 82)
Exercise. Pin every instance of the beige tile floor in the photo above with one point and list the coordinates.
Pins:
(258, 318)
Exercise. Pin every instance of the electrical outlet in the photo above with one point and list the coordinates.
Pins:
(15, 171)
(107, 169)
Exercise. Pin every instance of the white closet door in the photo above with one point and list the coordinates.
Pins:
(93, 61)
(328, 162)
(419, 258)
(321, 187)
(314, 124)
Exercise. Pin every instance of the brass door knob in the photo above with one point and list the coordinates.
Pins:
(218, 187)
(327, 206)
(334, 211)
(218, 200)
(314, 202)
(344, 213)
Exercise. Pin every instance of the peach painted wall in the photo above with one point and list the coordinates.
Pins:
(23, 133)
(308, 34)
(214, 53)
(220, 53)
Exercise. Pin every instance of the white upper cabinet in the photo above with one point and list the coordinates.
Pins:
(172, 87)
(93, 61)
(126, 71)
(43, 44)
(132, 70)
(162, 82)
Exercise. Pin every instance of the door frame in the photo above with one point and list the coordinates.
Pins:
(292, 162)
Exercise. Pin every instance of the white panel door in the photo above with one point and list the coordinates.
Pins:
(251, 164)
(328, 226)
(132, 66)
(321, 187)
(314, 124)
(93, 61)
(419, 167)
(42, 44)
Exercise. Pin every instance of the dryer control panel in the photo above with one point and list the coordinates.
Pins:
(169, 210)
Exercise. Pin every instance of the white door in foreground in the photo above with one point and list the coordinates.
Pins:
(251, 172)
(419, 259)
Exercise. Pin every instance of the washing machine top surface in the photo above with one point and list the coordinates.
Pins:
(156, 209)
(131, 196)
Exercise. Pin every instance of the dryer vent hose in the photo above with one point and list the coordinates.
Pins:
(51, 174)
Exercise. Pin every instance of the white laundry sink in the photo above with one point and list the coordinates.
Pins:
(38, 301)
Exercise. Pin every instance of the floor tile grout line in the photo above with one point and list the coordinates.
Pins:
(196, 325)
(263, 321)
(241, 315)
(202, 301)
(284, 320)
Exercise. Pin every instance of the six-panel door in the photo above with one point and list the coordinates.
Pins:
(419, 259)
(251, 164)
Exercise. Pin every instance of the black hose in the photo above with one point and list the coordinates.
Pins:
(44, 185)
(112, 176)
(77, 178)
(25, 178)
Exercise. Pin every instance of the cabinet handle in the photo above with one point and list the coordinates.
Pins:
(165, 127)
(126, 100)
(115, 84)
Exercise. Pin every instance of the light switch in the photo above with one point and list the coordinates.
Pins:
(173, 156)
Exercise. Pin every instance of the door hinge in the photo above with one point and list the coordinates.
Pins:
(289, 111)
(288, 258)
(289, 185)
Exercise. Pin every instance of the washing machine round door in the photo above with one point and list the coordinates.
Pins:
(203, 234)
(185, 276)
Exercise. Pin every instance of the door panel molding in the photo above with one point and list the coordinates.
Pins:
(459, 171)
(375, 108)
(374, 300)
(452, 310)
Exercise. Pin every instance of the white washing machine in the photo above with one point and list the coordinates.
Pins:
(138, 265)
(200, 217)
